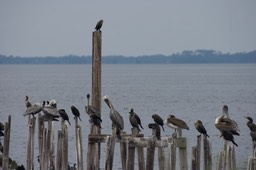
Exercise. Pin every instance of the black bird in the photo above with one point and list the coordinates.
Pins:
(1, 126)
(156, 127)
(134, 119)
(75, 112)
(116, 118)
(253, 135)
(27, 103)
(1, 133)
(64, 115)
(250, 124)
(99, 24)
(200, 127)
(158, 120)
(227, 135)
(93, 113)
(21, 167)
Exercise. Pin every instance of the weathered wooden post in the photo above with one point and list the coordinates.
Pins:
(96, 95)
(7, 132)
(207, 154)
(40, 139)
(182, 144)
(30, 144)
(79, 149)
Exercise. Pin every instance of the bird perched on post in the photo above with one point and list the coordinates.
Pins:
(64, 115)
(27, 103)
(250, 124)
(134, 119)
(226, 123)
(200, 128)
(51, 110)
(75, 112)
(94, 114)
(156, 128)
(176, 123)
(116, 118)
(33, 109)
(99, 25)
(227, 135)
(157, 119)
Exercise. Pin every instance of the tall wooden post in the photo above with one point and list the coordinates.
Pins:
(96, 88)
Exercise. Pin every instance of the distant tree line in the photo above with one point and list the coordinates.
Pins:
(197, 56)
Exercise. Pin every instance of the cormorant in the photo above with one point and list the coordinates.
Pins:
(99, 24)
(200, 127)
(64, 115)
(93, 113)
(134, 119)
(1, 126)
(116, 118)
(225, 123)
(158, 120)
(27, 103)
(75, 112)
(250, 124)
(227, 135)
(175, 123)
(156, 127)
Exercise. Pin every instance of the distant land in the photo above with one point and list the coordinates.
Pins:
(186, 57)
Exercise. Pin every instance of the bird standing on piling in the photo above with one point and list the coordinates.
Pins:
(33, 109)
(250, 124)
(64, 115)
(51, 110)
(227, 135)
(134, 119)
(99, 25)
(27, 103)
(225, 123)
(156, 127)
(94, 114)
(200, 128)
(175, 123)
(116, 118)
(157, 119)
(75, 112)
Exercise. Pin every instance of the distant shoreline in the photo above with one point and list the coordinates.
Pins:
(185, 57)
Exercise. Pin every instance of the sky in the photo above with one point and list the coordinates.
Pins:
(130, 28)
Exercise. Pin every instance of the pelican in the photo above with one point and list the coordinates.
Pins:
(227, 135)
(93, 113)
(116, 118)
(250, 124)
(156, 127)
(64, 115)
(75, 112)
(176, 123)
(134, 119)
(33, 109)
(47, 118)
(157, 119)
(51, 110)
(225, 123)
(200, 127)
(99, 24)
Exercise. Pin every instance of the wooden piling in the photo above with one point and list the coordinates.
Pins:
(150, 154)
(7, 132)
(207, 154)
(40, 140)
(110, 152)
(79, 147)
(30, 144)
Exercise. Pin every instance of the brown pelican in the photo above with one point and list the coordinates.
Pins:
(175, 123)
(93, 113)
(158, 120)
(116, 118)
(27, 103)
(47, 118)
(200, 127)
(156, 127)
(225, 123)
(51, 110)
(250, 124)
(33, 109)
(227, 135)
(75, 112)
(99, 24)
(134, 119)
(64, 115)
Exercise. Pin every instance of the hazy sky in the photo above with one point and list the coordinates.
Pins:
(130, 28)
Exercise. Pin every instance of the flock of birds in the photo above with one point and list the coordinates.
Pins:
(227, 126)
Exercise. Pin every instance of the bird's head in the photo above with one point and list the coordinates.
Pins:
(88, 96)
(53, 103)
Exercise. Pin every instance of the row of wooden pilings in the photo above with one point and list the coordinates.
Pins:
(130, 145)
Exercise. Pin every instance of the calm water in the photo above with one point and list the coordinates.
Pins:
(188, 91)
